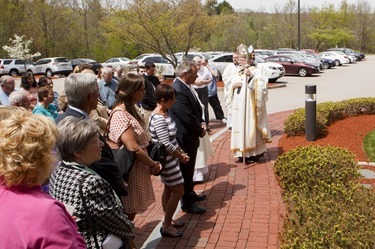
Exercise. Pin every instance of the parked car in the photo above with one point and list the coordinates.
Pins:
(120, 61)
(221, 61)
(293, 66)
(191, 55)
(351, 57)
(277, 70)
(327, 63)
(161, 63)
(302, 56)
(53, 66)
(95, 66)
(12, 67)
(348, 51)
(339, 59)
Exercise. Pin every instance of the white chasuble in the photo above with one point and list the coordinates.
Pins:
(250, 131)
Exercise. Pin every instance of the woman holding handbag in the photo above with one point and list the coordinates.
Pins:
(126, 127)
(100, 215)
(163, 130)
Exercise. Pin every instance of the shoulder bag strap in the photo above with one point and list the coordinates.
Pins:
(149, 122)
(106, 131)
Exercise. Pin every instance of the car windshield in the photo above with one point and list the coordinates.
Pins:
(125, 59)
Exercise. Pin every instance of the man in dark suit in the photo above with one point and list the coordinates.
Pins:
(82, 92)
(187, 113)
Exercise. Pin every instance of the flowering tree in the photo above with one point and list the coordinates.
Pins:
(20, 48)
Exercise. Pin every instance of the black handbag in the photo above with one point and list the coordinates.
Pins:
(124, 158)
(156, 151)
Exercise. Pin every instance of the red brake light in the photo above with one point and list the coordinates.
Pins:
(2, 67)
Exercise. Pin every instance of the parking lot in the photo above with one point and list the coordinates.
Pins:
(343, 82)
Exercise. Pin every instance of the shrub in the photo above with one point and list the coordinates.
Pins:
(328, 113)
(327, 208)
(306, 168)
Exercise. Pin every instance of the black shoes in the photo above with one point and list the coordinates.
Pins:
(194, 209)
(249, 160)
(196, 198)
(252, 159)
(166, 233)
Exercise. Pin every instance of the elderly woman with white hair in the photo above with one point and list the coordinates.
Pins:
(100, 214)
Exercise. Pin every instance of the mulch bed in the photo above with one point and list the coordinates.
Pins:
(348, 133)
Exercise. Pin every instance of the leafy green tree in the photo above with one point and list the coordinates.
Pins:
(224, 8)
(163, 27)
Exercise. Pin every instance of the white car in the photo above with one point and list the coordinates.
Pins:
(161, 64)
(277, 70)
(351, 58)
(120, 61)
(53, 66)
(338, 58)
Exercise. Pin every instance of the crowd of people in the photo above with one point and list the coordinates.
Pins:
(58, 175)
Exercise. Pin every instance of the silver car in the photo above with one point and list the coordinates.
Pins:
(53, 66)
(13, 67)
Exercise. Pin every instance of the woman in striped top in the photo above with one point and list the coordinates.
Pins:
(163, 129)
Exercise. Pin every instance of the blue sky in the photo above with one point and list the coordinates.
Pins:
(268, 5)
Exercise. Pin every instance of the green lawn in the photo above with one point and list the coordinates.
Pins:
(369, 145)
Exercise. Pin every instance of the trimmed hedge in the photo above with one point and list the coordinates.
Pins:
(327, 207)
(327, 113)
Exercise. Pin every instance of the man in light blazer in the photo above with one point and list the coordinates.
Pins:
(187, 113)
(82, 92)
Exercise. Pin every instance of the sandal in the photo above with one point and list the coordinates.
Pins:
(177, 224)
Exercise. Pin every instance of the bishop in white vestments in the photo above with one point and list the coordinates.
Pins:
(250, 130)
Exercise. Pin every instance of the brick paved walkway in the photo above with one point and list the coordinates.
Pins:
(244, 204)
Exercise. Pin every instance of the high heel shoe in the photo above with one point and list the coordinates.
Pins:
(166, 233)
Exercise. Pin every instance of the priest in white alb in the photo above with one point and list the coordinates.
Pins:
(250, 130)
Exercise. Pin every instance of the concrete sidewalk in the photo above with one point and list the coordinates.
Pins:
(244, 204)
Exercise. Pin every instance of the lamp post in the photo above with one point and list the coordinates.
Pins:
(299, 26)
(310, 112)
